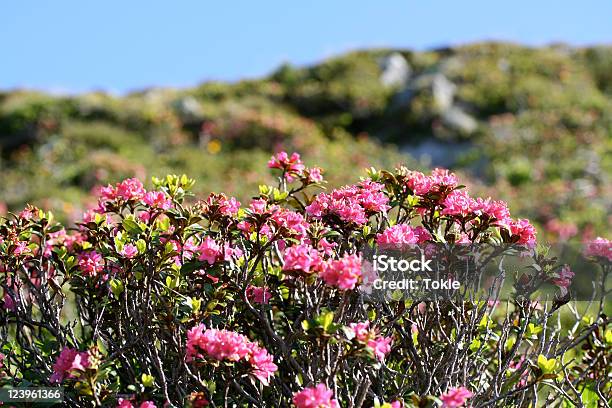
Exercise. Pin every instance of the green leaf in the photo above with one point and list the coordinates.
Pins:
(116, 287)
(131, 226)
(147, 380)
(546, 365)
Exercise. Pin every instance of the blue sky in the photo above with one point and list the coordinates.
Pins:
(75, 46)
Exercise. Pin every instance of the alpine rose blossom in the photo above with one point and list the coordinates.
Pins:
(292, 166)
(258, 294)
(157, 199)
(230, 346)
(381, 346)
(564, 278)
(129, 251)
(343, 273)
(303, 258)
(525, 232)
(68, 364)
(91, 263)
(455, 397)
(315, 397)
(123, 403)
(209, 251)
(130, 189)
(402, 234)
(600, 247)
(351, 204)
(458, 203)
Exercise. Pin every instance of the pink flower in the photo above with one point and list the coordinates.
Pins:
(497, 210)
(455, 397)
(444, 178)
(231, 346)
(458, 203)
(9, 304)
(258, 294)
(314, 175)
(343, 273)
(419, 183)
(229, 206)
(381, 346)
(262, 363)
(123, 403)
(292, 166)
(209, 251)
(68, 364)
(91, 262)
(362, 331)
(129, 251)
(302, 258)
(148, 404)
(258, 206)
(600, 247)
(130, 189)
(524, 231)
(402, 234)
(21, 248)
(292, 221)
(157, 199)
(108, 193)
(564, 279)
(351, 204)
(315, 397)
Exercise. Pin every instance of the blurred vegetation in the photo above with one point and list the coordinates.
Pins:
(532, 126)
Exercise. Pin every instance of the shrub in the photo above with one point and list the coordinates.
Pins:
(150, 301)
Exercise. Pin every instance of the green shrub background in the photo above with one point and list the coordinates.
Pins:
(542, 141)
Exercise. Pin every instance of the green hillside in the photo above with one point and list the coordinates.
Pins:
(529, 125)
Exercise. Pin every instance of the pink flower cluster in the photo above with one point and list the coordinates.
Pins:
(343, 273)
(440, 179)
(129, 189)
(524, 231)
(129, 251)
(455, 397)
(303, 258)
(292, 166)
(69, 364)
(220, 204)
(564, 277)
(123, 403)
(379, 344)
(402, 234)
(210, 251)
(352, 204)
(258, 294)
(293, 221)
(459, 203)
(315, 397)
(157, 199)
(600, 247)
(91, 263)
(231, 346)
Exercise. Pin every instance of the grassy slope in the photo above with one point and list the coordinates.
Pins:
(542, 141)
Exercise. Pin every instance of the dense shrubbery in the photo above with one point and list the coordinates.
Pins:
(152, 301)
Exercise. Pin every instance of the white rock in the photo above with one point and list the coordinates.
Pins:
(396, 70)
